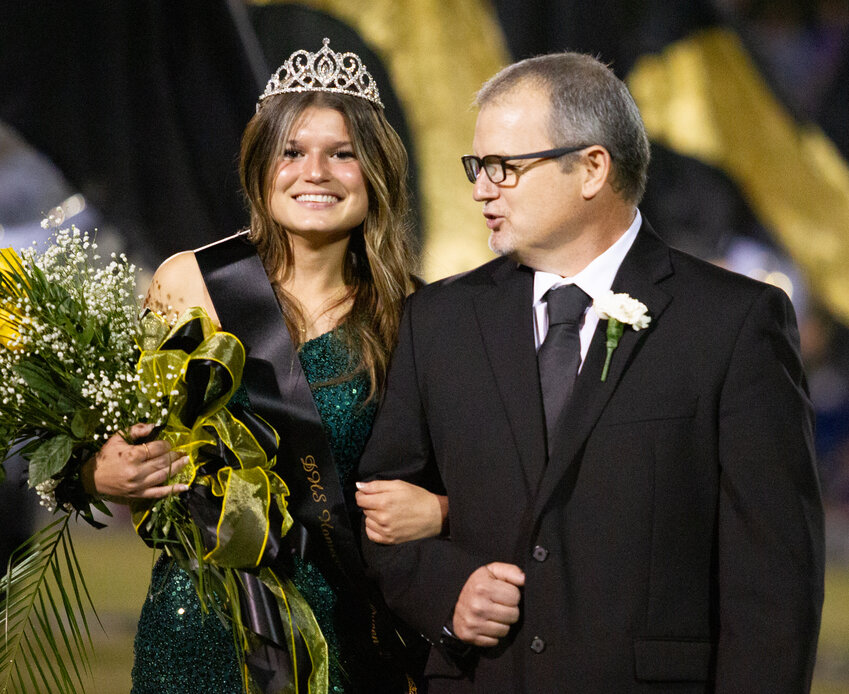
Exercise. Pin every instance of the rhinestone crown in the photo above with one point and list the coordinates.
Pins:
(325, 71)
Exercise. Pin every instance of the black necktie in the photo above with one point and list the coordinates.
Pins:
(560, 353)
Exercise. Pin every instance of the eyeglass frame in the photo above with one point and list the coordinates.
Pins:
(468, 159)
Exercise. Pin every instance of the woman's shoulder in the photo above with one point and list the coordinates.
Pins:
(184, 261)
(177, 285)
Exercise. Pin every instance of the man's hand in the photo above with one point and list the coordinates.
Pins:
(488, 604)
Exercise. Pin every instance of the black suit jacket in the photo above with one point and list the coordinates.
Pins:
(673, 538)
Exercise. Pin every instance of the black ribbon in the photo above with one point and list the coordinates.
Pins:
(279, 392)
(269, 655)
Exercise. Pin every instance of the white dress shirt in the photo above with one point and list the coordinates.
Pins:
(595, 279)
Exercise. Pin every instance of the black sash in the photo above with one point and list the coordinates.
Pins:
(280, 393)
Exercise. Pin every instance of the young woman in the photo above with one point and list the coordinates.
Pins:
(325, 176)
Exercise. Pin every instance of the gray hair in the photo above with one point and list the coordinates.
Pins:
(589, 105)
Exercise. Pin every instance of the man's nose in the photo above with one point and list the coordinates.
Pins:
(484, 189)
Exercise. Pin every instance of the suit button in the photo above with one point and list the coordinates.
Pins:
(540, 553)
(537, 645)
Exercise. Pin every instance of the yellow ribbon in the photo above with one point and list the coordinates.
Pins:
(248, 490)
(294, 609)
(11, 273)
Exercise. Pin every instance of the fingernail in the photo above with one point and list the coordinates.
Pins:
(359, 485)
(180, 488)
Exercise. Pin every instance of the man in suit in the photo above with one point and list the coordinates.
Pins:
(652, 526)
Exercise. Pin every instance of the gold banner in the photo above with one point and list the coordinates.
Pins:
(704, 98)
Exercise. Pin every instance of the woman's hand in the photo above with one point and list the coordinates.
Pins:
(397, 511)
(125, 472)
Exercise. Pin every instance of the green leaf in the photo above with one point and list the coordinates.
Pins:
(49, 458)
(84, 423)
(37, 380)
(63, 405)
(88, 331)
(60, 295)
(102, 507)
(26, 449)
(46, 644)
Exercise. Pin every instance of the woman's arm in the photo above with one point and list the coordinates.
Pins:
(177, 285)
(397, 511)
(125, 471)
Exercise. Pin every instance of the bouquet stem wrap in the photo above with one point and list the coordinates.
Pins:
(230, 523)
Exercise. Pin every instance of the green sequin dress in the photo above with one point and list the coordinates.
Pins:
(178, 649)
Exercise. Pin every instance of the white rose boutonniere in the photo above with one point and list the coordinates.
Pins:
(619, 310)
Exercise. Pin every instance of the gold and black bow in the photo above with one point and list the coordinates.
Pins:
(226, 530)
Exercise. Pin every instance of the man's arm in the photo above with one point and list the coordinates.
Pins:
(771, 547)
(420, 580)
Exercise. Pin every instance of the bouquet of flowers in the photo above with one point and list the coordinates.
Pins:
(67, 378)
(80, 363)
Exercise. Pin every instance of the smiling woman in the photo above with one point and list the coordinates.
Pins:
(319, 191)
(314, 290)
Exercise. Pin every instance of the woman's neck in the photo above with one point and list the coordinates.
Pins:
(315, 282)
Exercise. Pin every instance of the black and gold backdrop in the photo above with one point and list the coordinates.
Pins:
(140, 107)
(126, 116)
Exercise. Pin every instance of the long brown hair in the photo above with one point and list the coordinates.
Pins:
(379, 263)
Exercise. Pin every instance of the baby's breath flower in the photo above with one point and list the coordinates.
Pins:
(93, 366)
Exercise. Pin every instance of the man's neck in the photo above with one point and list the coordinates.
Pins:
(594, 239)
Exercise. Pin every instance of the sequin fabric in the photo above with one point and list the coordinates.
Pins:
(178, 647)
(180, 650)
(347, 424)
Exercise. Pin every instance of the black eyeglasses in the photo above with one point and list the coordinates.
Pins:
(495, 165)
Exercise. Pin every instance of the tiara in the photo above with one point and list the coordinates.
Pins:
(325, 71)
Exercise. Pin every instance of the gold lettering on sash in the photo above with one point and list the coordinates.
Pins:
(313, 476)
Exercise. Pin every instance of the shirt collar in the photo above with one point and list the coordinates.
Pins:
(597, 277)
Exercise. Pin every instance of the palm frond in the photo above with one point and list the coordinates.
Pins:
(45, 641)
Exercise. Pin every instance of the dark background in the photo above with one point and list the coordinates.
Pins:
(139, 107)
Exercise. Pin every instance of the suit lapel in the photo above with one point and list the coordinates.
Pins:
(505, 321)
(645, 265)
